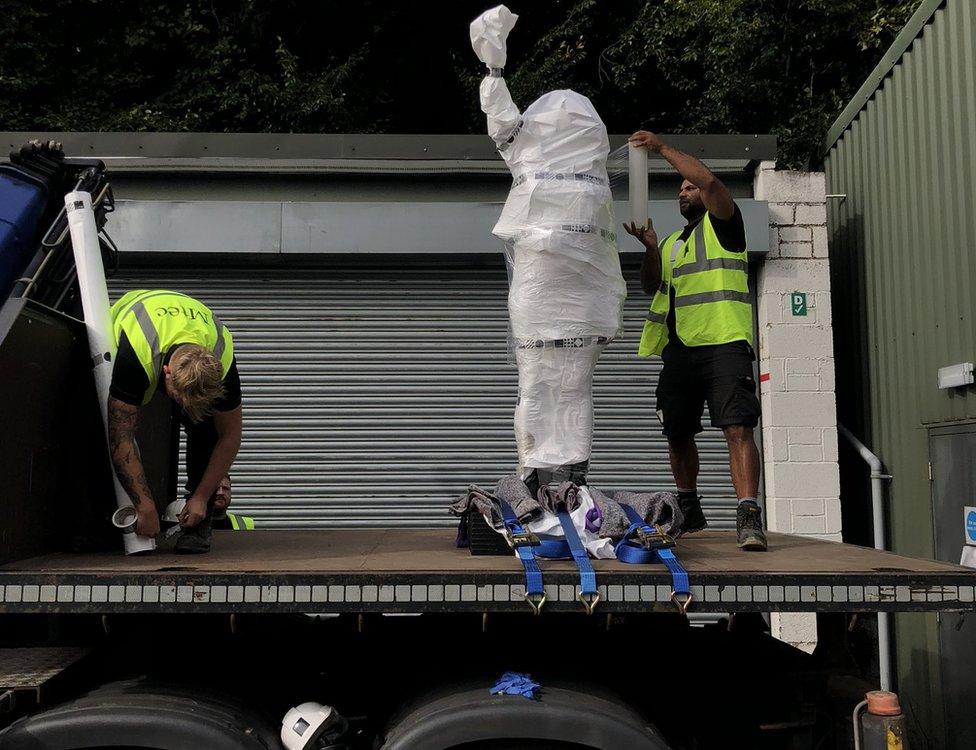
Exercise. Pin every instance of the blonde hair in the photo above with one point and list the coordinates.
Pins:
(195, 375)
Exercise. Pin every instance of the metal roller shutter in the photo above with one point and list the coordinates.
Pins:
(377, 390)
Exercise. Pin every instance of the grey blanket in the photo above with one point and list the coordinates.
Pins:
(657, 508)
(615, 521)
(481, 501)
(564, 497)
(515, 493)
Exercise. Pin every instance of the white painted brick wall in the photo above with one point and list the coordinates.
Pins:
(782, 277)
(801, 627)
(796, 249)
(798, 409)
(807, 215)
(806, 453)
(819, 242)
(830, 443)
(805, 436)
(800, 479)
(796, 365)
(789, 187)
(782, 214)
(796, 234)
(809, 506)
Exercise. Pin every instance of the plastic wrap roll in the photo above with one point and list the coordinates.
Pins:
(98, 322)
(637, 171)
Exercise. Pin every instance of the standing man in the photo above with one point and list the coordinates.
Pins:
(700, 323)
(171, 342)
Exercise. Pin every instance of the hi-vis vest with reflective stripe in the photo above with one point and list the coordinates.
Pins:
(240, 523)
(711, 293)
(154, 321)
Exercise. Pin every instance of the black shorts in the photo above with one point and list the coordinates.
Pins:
(721, 375)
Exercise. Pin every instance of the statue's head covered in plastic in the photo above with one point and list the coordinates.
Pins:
(562, 132)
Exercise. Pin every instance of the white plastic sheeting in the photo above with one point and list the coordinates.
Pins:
(566, 293)
(554, 414)
(548, 525)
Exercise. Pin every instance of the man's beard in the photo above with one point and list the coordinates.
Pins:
(691, 211)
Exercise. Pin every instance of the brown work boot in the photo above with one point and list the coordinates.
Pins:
(748, 527)
(692, 513)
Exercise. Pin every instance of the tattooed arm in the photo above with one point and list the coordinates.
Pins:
(122, 419)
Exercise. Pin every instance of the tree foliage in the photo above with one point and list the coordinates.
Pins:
(706, 66)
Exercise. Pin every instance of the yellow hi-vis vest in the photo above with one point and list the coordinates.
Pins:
(154, 321)
(240, 523)
(711, 293)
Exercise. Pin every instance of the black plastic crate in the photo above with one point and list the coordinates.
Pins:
(484, 539)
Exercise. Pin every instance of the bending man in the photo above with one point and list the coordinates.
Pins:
(171, 342)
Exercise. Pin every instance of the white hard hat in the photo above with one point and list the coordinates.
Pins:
(173, 511)
(304, 724)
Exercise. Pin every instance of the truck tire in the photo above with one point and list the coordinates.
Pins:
(471, 719)
(145, 716)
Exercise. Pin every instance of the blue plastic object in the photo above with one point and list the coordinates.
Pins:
(580, 556)
(523, 548)
(629, 551)
(515, 683)
(23, 199)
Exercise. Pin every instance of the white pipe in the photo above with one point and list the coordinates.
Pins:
(856, 721)
(877, 506)
(637, 173)
(98, 321)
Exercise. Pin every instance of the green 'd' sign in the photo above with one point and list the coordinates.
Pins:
(798, 303)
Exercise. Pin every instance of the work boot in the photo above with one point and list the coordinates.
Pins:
(691, 510)
(748, 527)
(196, 539)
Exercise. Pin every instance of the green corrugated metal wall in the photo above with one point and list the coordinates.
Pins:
(904, 277)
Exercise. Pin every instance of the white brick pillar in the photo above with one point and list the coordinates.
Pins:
(796, 371)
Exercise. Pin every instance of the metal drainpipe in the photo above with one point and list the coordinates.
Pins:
(877, 498)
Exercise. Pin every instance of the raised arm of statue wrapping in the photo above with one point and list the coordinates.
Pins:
(489, 35)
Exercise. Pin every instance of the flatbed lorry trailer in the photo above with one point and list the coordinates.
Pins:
(399, 631)
(399, 571)
(404, 634)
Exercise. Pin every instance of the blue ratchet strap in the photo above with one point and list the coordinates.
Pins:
(553, 548)
(523, 541)
(653, 546)
(588, 595)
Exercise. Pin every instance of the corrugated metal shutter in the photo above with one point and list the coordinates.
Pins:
(377, 390)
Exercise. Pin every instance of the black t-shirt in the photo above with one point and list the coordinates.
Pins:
(731, 233)
(129, 380)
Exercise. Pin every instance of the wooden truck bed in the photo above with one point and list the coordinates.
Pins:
(401, 571)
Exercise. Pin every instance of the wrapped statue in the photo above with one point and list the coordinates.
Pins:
(566, 292)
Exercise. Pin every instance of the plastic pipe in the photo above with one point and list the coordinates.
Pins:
(856, 721)
(98, 322)
(637, 172)
(877, 499)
